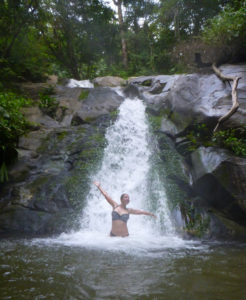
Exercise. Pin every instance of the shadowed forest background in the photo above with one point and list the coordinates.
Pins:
(84, 39)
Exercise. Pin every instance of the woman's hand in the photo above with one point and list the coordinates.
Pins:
(107, 197)
(97, 184)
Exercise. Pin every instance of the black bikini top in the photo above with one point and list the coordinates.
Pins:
(117, 216)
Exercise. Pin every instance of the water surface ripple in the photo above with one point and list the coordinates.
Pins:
(38, 269)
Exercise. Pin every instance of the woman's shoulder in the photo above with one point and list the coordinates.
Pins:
(115, 205)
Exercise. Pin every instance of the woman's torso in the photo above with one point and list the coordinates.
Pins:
(120, 217)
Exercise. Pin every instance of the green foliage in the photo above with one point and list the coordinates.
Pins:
(225, 33)
(3, 173)
(23, 55)
(197, 135)
(61, 135)
(197, 224)
(48, 91)
(84, 94)
(114, 113)
(76, 33)
(155, 121)
(228, 26)
(231, 139)
(82, 39)
(12, 121)
(12, 125)
(48, 104)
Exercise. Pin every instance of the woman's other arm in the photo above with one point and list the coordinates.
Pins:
(140, 212)
(107, 197)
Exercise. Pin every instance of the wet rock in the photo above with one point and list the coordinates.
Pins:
(33, 89)
(17, 219)
(33, 140)
(34, 115)
(131, 91)
(19, 171)
(157, 87)
(220, 180)
(46, 192)
(100, 101)
(78, 119)
(51, 198)
(69, 103)
(142, 80)
(168, 127)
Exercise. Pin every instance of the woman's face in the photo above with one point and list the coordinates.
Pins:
(125, 199)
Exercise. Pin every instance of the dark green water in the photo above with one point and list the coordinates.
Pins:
(44, 270)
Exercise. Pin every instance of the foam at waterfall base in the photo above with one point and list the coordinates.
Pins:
(135, 244)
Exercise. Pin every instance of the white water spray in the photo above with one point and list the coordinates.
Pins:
(125, 169)
(80, 83)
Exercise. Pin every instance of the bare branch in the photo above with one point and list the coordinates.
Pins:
(235, 104)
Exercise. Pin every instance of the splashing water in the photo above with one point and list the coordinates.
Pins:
(80, 83)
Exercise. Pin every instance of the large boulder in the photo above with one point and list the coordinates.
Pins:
(220, 179)
(100, 101)
(195, 97)
(109, 81)
(69, 103)
(38, 119)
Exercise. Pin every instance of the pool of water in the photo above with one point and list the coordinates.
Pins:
(73, 267)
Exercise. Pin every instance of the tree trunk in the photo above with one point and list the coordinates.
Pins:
(176, 24)
(122, 33)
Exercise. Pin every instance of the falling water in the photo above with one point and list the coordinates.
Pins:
(125, 169)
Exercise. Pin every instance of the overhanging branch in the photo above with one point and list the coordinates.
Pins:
(235, 104)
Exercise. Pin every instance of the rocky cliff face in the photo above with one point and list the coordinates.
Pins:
(48, 184)
(187, 108)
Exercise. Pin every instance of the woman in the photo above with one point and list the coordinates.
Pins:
(120, 213)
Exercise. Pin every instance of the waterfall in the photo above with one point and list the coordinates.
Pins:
(126, 168)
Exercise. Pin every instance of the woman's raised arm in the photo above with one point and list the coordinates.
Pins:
(107, 197)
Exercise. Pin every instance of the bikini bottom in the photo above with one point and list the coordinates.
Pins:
(113, 235)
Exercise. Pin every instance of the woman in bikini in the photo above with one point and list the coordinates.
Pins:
(120, 213)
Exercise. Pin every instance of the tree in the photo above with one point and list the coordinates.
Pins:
(16, 17)
(74, 33)
(18, 36)
(188, 17)
(118, 3)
